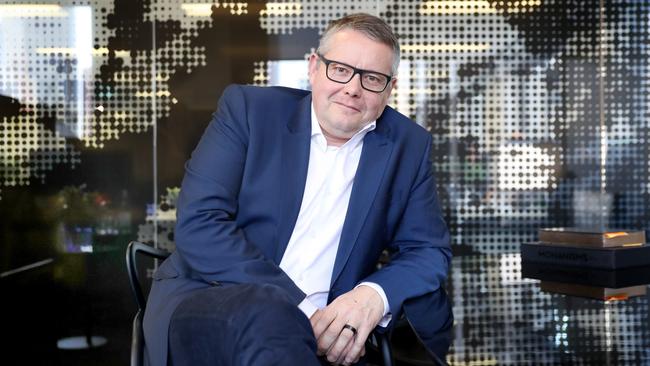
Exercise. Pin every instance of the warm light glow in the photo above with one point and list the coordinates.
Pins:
(31, 10)
(617, 297)
(197, 10)
(161, 93)
(282, 9)
(523, 6)
(120, 115)
(448, 7)
(205, 9)
(127, 76)
(446, 47)
(615, 234)
(71, 51)
(455, 7)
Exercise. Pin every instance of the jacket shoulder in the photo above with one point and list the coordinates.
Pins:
(403, 127)
(265, 94)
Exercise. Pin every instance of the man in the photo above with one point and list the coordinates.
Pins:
(287, 203)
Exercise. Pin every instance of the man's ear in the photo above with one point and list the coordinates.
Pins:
(393, 84)
(313, 65)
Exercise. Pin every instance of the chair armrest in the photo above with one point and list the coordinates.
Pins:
(131, 267)
(385, 347)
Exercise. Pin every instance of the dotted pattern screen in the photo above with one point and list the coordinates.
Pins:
(538, 108)
(504, 318)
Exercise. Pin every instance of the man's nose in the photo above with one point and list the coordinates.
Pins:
(353, 87)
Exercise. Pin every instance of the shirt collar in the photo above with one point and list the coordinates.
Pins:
(318, 136)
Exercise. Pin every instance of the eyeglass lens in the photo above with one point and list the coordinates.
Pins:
(342, 73)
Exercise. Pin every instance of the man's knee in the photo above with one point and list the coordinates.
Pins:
(240, 321)
(236, 308)
(266, 301)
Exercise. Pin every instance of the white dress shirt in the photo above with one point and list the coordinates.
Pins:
(311, 251)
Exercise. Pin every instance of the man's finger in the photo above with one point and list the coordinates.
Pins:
(344, 355)
(329, 336)
(336, 352)
(320, 328)
(314, 320)
(358, 346)
(315, 317)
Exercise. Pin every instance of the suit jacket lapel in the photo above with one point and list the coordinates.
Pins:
(295, 147)
(376, 151)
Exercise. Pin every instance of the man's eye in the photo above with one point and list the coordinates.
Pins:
(372, 78)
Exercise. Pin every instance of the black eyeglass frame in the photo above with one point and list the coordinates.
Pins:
(327, 63)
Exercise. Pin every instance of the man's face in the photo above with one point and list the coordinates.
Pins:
(344, 109)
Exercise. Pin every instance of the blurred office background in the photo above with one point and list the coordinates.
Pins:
(539, 111)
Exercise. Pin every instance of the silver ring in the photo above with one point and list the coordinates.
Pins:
(353, 329)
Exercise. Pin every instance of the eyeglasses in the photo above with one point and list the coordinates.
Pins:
(339, 72)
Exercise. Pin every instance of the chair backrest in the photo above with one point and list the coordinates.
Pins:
(137, 337)
(131, 266)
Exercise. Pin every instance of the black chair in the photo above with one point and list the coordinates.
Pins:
(379, 342)
(137, 336)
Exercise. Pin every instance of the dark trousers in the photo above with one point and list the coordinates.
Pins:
(244, 324)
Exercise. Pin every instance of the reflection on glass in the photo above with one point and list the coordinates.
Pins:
(509, 90)
(600, 284)
(89, 221)
(503, 317)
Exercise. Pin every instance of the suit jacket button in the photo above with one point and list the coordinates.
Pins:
(215, 283)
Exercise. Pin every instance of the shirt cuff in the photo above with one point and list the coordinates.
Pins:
(386, 315)
(307, 307)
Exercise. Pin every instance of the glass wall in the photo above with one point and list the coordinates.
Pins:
(538, 109)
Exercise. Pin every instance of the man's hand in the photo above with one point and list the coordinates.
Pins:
(362, 309)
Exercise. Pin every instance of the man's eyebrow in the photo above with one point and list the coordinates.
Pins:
(364, 70)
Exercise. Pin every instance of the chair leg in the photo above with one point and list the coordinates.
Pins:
(137, 341)
(385, 349)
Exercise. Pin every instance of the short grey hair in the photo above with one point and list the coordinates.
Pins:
(371, 26)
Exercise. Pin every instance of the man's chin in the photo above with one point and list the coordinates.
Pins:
(351, 128)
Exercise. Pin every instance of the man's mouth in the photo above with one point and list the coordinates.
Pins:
(346, 106)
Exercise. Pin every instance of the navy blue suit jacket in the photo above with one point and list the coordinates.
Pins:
(241, 195)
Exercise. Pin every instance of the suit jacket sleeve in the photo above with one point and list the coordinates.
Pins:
(208, 238)
(420, 246)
